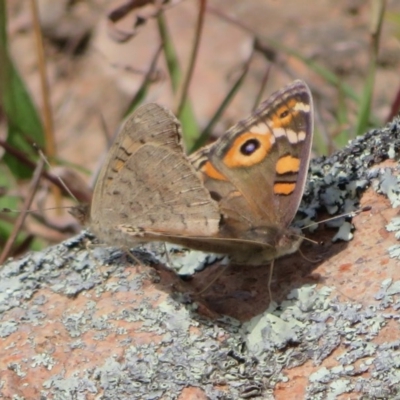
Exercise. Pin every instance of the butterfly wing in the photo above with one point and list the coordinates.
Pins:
(261, 164)
(147, 183)
(233, 207)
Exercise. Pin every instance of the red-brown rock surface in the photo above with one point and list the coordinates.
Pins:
(78, 323)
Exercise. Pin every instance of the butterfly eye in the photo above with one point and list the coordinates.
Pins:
(249, 147)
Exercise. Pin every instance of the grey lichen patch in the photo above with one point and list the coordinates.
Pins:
(17, 368)
(7, 328)
(344, 233)
(382, 366)
(187, 361)
(176, 320)
(182, 260)
(76, 323)
(311, 325)
(44, 360)
(388, 289)
(288, 325)
(332, 198)
(389, 184)
(381, 361)
(20, 279)
(337, 183)
(394, 251)
(71, 387)
(394, 226)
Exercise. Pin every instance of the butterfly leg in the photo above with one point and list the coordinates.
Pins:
(134, 258)
(169, 261)
(271, 271)
(217, 276)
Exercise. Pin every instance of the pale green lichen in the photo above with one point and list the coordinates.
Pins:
(44, 360)
(390, 186)
(344, 233)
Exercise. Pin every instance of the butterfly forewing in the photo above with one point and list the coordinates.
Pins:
(265, 159)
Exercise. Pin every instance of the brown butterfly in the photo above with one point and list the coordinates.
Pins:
(237, 196)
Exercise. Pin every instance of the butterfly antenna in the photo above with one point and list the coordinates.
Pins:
(217, 276)
(348, 214)
(45, 160)
(352, 214)
(10, 210)
(308, 239)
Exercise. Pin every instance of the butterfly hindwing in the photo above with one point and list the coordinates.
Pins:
(147, 184)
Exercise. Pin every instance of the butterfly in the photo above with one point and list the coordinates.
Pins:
(237, 196)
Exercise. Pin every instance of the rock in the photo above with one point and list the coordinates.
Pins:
(79, 322)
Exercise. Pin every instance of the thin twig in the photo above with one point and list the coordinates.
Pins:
(183, 92)
(262, 87)
(47, 112)
(231, 19)
(26, 206)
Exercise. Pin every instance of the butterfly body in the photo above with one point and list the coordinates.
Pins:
(237, 196)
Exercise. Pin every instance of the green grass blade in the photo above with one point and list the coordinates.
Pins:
(24, 125)
(187, 78)
(378, 10)
(343, 134)
(170, 54)
(189, 125)
(364, 110)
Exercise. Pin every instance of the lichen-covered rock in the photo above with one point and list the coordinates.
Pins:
(84, 323)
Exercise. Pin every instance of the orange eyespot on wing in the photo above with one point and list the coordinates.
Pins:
(284, 188)
(249, 149)
(287, 164)
(284, 114)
